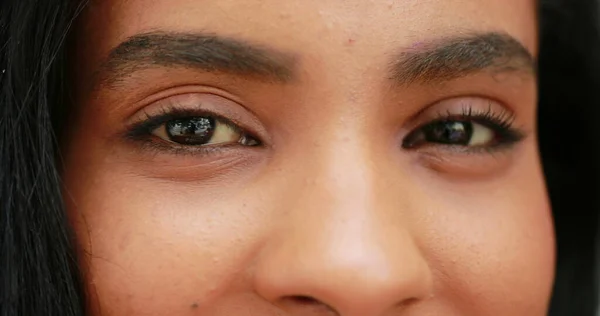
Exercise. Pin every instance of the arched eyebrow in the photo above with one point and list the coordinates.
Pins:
(203, 52)
(451, 58)
(438, 60)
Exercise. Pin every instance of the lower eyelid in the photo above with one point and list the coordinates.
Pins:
(162, 147)
(458, 162)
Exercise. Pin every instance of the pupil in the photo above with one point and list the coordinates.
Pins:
(453, 133)
(191, 131)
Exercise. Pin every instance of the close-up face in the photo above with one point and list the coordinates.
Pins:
(314, 157)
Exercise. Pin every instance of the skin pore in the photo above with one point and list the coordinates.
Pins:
(315, 157)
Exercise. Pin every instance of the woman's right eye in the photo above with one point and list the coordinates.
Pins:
(202, 131)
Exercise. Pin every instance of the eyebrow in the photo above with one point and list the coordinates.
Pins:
(205, 52)
(455, 57)
(425, 62)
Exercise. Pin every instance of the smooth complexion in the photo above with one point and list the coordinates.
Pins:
(315, 157)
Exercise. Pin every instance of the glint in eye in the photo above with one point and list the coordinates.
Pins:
(200, 131)
(464, 132)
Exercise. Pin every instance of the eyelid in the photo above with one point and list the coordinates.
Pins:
(458, 107)
(197, 104)
(149, 125)
(485, 112)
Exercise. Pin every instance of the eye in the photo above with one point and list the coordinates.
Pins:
(201, 131)
(447, 132)
(464, 132)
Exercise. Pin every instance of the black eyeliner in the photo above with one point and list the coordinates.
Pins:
(143, 130)
(501, 123)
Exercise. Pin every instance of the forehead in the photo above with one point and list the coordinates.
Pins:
(309, 27)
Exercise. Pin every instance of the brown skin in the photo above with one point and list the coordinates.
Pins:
(329, 214)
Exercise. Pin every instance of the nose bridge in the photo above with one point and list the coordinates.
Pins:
(343, 243)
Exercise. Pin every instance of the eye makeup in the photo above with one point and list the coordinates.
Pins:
(469, 125)
(193, 124)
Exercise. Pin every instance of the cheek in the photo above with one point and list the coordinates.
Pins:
(496, 249)
(499, 265)
(150, 246)
(166, 247)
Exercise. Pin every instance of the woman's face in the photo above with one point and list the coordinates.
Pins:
(315, 157)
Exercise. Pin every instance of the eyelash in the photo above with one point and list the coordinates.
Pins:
(501, 123)
(143, 131)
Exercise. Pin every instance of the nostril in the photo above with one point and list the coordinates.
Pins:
(304, 300)
(408, 302)
(308, 303)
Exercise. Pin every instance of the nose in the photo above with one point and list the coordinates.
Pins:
(343, 245)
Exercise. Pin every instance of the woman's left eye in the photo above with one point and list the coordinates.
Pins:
(201, 131)
(457, 133)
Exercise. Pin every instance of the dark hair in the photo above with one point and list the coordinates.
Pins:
(569, 77)
(38, 264)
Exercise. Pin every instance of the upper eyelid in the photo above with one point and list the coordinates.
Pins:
(152, 122)
(198, 103)
(195, 86)
(457, 106)
(468, 113)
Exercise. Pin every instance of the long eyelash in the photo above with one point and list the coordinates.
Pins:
(502, 119)
(143, 129)
(501, 123)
